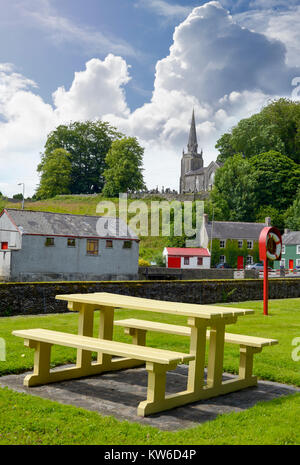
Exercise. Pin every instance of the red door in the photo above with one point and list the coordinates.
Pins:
(291, 264)
(173, 262)
(240, 263)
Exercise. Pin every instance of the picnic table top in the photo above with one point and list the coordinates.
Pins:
(107, 299)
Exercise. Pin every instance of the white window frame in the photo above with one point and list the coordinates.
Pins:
(221, 242)
(249, 260)
(282, 262)
(240, 243)
(283, 250)
(222, 259)
(297, 261)
(298, 249)
(251, 246)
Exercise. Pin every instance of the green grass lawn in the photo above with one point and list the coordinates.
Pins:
(59, 424)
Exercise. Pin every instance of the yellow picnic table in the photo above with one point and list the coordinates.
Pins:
(158, 361)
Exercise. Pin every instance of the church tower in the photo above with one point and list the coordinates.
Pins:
(192, 160)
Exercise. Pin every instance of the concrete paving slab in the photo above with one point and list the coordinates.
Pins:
(119, 393)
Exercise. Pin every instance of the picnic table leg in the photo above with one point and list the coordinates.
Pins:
(246, 361)
(85, 328)
(41, 369)
(106, 326)
(216, 354)
(197, 348)
(156, 392)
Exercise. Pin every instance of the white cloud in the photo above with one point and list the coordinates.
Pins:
(225, 76)
(282, 25)
(61, 29)
(95, 91)
(165, 9)
(27, 119)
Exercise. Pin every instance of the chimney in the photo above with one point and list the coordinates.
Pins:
(205, 218)
(268, 221)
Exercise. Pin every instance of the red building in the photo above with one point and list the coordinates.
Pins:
(190, 257)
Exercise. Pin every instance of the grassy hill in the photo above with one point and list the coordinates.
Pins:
(150, 246)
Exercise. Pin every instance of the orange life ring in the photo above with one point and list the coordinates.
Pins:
(275, 253)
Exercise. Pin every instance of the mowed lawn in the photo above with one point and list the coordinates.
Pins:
(25, 419)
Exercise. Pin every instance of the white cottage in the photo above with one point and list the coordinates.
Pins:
(187, 258)
(42, 246)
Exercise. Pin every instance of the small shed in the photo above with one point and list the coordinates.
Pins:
(187, 258)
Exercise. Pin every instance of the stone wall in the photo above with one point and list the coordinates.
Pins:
(155, 272)
(37, 298)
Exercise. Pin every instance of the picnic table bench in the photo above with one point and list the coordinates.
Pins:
(113, 355)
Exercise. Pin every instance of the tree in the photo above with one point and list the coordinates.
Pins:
(276, 127)
(124, 167)
(18, 196)
(55, 169)
(88, 143)
(277, 216)
(293, 214)
(276, 177)
(234, 190)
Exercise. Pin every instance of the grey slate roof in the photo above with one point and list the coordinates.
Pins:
(291, 238)
(234, 230)
(61, 224)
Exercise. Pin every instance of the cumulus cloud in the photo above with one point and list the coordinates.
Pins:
(26, 119)
(282, 25)
(225, 76)
(95, 91)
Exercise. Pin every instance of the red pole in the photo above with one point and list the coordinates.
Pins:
(266, 286)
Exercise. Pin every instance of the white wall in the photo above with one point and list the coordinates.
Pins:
(9, 233)
(194, 263)
(5, 260)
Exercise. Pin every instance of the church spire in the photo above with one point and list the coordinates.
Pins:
(192, 143)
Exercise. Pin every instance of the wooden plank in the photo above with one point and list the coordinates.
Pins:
(110, 347)
(137, 303)
(251, 341)
(154, 326)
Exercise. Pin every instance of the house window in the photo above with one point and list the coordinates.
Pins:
(297, 261)
(92, 246)
(222, 259)
(71, 242)
(282, 262)
(240, 244)
(49, 242)
(200, 261)
(127, 245)
(283, 249)
(298, 249)
(249, 260)
(186, 260)
(222, 244)
(4, 245)
(109, 244)
(250, 246)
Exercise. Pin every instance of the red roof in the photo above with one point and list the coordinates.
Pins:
(188, 252)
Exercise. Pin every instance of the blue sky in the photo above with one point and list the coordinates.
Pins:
(63, 60)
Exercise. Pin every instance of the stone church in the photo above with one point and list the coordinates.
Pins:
(194, 176)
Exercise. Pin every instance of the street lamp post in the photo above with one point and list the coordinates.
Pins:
(20, 184)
